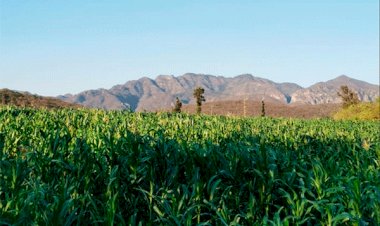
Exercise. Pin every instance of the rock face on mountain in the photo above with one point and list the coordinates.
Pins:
(326, 92)
(160, 93)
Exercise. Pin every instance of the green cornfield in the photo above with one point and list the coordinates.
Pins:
(94, 167)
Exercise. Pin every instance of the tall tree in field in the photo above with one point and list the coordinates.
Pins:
(198, 95)
(348, 96)
(262, 108)
(177, 106)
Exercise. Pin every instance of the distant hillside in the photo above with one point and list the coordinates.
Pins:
(253, 108)
(14, 98)
(160, 93)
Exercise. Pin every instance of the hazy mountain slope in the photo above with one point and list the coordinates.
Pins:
(160, 93)
(288, 89)
(100, 98)
(253, 88)
(326, 92)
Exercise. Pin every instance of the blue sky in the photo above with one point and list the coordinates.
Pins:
(56, 47)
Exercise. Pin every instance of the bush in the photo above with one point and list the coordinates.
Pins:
(361, 111)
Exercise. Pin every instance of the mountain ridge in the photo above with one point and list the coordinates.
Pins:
(26, 99)
(160, 93)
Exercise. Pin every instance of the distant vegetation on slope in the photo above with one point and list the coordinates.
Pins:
(14, 98)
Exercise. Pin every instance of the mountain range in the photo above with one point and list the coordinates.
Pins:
(147, 94)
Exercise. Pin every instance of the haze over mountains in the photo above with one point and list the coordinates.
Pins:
(160, 93)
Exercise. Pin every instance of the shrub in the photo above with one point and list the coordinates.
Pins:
(362, 111)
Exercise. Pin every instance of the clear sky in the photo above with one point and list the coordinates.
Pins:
(52, 47)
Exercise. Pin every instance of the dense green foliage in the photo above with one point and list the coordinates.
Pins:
(81, 167)
(360, 111)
